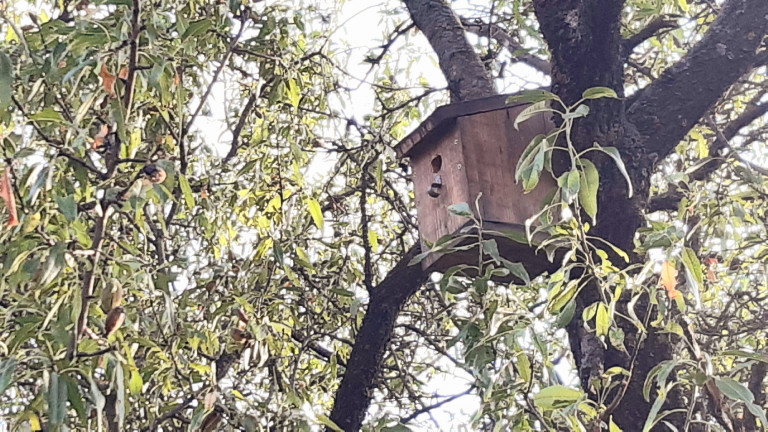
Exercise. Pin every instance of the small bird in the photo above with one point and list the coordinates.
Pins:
(111, 295)
(115, 319)
(153, 173)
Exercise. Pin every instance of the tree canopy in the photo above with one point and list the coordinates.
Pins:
(204, 225)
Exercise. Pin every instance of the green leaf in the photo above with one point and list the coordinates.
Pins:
(757, 411)
(566, 314)
(734, 390)
(378, 173)
(135, 382)
(6, 81)
(589, 183)
(532, 96)
(580, 111)
(76, 400)
(99, 401)
(396, 428)
(196, 28)
(524, 367)
(614, 153)
(558, 396)
(569, 182)
(316, 212)
(693, 267)
(47, 115)
(342, 292)
(660, 372)
(518, 270)
(7, 368)
(490, 247)
(186, 189)
(561, 295)
(532, 111)
(599, 92)
(293, 92)
(373, 240)
(57, 400)
(460, 209)
(197, 418)
(530, 174)
(329, 423)
(277, 251)
(528, 155)
(653, 418)
(419, 258)
(603, 320)
(67, 207)
(746, 354)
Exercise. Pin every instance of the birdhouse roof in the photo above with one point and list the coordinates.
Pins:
(445, 116)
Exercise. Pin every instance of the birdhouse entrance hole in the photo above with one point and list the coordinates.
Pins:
(437, 163)
(469, 148)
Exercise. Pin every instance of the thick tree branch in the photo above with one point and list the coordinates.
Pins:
(506, 40)
(466, 76)
(757, 375)
(728, 50)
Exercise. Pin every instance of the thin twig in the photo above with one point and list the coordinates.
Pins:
(185, 129)
(133, 58)
(249, 105)
(435, 405)
(88, 283)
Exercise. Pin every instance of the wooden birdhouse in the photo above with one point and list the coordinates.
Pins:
(469, 148)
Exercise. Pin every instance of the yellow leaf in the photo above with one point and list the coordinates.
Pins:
(603, 320)
(316, 212)
(373, 240)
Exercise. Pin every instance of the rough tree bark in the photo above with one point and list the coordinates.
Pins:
(586, 51)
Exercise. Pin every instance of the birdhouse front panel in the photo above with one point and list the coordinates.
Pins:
(438, 164)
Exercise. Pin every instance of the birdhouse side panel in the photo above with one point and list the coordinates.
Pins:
(439, 179)
(492, 147)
